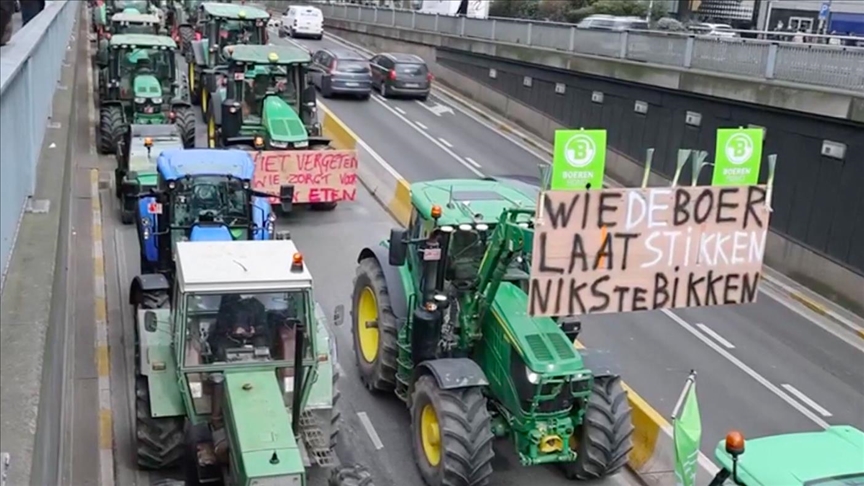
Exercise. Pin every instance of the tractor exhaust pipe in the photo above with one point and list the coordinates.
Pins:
(297, 394)
(217, 397)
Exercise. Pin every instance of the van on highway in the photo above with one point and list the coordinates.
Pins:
(302, 21)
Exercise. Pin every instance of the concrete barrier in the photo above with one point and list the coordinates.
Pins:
(653, 455)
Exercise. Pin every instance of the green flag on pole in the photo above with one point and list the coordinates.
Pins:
(687, 434)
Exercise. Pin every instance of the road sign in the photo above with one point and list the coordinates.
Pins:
(579, 159)
(824, 10)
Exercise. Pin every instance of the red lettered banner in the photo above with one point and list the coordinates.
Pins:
(317, 175)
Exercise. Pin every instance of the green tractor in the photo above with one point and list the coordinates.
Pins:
(136, 163)
(264, 101)
(181, 16)
(137, 86)
(222, 24)
(830, 457)
(126, 23)
(439, 316)
(104, 10)
(236, 374)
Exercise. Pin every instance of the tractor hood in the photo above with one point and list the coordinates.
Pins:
(147, 86)
(282, 122)
(542, 344)
(259, 427)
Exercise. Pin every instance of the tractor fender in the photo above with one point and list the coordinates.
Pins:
(107, 103)
(180, 102)
(601, 362)
(198, 53)
(145, 283)
(452, 373)
(398, 299)
(216, 98)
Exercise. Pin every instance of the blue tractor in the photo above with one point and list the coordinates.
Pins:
(203, 195)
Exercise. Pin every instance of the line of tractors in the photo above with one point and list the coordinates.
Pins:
(236, 378)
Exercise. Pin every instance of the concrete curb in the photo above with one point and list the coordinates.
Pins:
(653, 455)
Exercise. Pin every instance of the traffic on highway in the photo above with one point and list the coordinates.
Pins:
(314, 264)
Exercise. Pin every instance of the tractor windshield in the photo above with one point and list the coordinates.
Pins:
(242, 328)
(137, 28)
(233, 32)
(136, 61)
(260, 82)
(139, 5)
(210, 198)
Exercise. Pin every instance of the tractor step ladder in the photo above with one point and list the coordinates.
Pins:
(316, 440)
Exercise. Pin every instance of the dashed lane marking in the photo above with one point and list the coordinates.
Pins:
(370, 429)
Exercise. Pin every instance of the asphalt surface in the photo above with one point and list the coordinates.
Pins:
(765, 368)
(331, 242)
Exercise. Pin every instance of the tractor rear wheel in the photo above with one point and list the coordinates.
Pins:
(194, 85)
(452, 434)
(350, 476)
(159, 442)
(374, 328)
(186, 123)
(187, 34)
(111, 127)
(605, 437)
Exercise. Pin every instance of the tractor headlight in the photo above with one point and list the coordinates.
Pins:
(279, 145)
(270, 227)
(533, 378)
(157, 101)
(301, 145)
(146, 232)
(145, 222)
(140, 100)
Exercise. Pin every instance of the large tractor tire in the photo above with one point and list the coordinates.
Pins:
(187, 35)
(452, 434)
(111, 128)
(350, 476)
(374, 328)
(186, 124)
(159, 442)
(194, 85)
(605, 437)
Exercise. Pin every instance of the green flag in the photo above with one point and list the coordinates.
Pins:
(579, 159)
(687, 435)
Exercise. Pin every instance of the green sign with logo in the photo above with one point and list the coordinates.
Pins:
(738, 157)
(579, 159)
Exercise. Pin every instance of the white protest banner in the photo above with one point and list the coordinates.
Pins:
(317, 175)
(622, 250)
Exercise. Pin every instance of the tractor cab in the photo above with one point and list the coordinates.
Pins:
(265, 102)
(202, 195)
(236, 353)
(830, 457)
(138, 86)
(127, 6)
(136, 163)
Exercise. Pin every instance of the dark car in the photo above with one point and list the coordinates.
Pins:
(341, 71)
(401, 75)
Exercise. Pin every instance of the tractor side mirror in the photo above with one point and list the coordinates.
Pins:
(338, 315)
(150, 321)
(286, 198)
(309, 98)
(398, 247)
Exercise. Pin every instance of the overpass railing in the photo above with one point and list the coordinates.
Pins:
(815, 64)
(29, 72)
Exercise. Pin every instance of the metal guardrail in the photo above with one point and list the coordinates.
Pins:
(29, 71)
(815, 64)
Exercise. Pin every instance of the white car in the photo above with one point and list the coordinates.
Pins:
(302, 21)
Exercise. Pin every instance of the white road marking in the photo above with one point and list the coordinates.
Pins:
(400, 110)
(424, 127)
(472, 162)
(436, 109)
(432, 139)
(807, 400)
(707, 330)
(370, 429)
(746, 369)
(445, 142)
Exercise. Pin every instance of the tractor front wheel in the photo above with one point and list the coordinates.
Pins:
(452, 434)
(159, 442)
(185, 120)
(605, 437)
(111, 126)
(350, 476)
(374, 328)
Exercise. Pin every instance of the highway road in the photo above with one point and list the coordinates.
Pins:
(375, 428)
(765, 368)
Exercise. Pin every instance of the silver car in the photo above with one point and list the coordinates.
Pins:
(341, 72)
